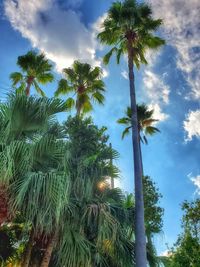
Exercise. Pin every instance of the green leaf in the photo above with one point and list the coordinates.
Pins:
(63, 88)
(16, 77)
(70, 103)
(107, 57)
(126, 132)
(38, 89)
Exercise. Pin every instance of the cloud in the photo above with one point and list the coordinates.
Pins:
(182, 31)
(158, 114)
(156, 91)
(57, 31)
(155, 87)
(196, 182)
(124, 74)
(192, 125)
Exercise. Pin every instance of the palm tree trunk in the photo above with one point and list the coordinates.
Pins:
(27, 91)
(3, 204)
(112, 185)
(78, 108)
(140, 238)
(28, 85)
(141, 161)
(48, 252)
(28, 250)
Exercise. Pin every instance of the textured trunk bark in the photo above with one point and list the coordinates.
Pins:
(36, 263)
(141, 158)
(48, 252)
(78, 109)
(3, 204)
(140, 238)
(28, 85)
(112, 183)
(27, 254)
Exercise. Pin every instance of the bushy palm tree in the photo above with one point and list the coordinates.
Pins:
(35, 70)
(98, 210)
(54, 175)
(24, 155)
(129, 28)
(85, 83)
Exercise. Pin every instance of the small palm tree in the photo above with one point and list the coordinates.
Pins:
(86, 84)
(36, 70)
(145, 122)
(145, 127)
(129, 28)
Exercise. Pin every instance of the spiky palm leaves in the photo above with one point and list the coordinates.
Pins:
(129, 22)
(97, 213)
(86, 85)
(145, 122)
(36, 70)
(53, 180)
(28, 154)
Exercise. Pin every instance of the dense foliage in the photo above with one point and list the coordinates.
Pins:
(186, 251)
(58, 205)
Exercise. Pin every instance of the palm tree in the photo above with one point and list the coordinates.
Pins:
(86, 84)
(145, 121)
(129, 27)
(35, 70)
(23, 152)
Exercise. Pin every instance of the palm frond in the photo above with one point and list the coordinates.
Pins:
(63, 88)
(16, 77)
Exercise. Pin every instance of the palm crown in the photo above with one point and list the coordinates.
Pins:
(36, 70)
(87, 85)
(145, 122)
(130, 22)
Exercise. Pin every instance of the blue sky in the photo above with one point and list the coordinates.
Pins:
(66, 30)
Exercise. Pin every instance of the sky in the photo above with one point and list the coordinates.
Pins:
(65, 30)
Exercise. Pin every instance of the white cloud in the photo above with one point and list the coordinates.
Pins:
(192, 125)
(156, 92)
(58, 32)
(158, 114)
(196, 182)
(155, 87)
(181, 29)
(124, 74)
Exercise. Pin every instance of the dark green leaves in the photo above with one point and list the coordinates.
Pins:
(125, 18)
(86, 84)
(35, 68)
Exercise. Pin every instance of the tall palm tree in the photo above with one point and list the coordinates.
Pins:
(35, 70)
(129, 28)
(145, 127)
(85, 83)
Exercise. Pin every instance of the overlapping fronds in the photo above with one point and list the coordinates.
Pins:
(129, 21)
(86, 84)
